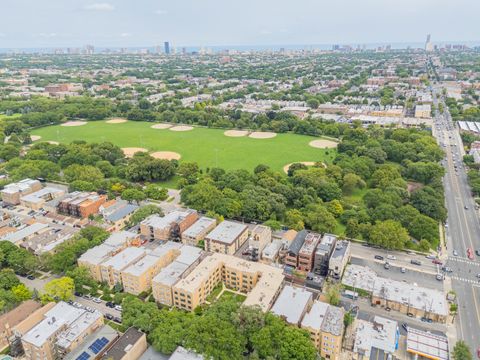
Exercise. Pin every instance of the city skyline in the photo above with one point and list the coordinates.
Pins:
(118, 23)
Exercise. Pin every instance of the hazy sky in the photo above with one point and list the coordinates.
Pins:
(44, 23)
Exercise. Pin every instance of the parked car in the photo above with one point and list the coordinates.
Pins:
(431, 257)
(386, 266)
(470, 253)
(96, 300)
(388, 309)
(379, 257)
(439, 277)
(477, 252)
(118, 307)
(403, 270)
(110, 304)
(87, 297)
(455, 253)
(31, 277)
(391, 257)
(109, 316)
(117, 320)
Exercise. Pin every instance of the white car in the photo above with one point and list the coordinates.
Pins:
(96, 300)
(403, 270)
(391, 257)
(118, 307)
(455, 253)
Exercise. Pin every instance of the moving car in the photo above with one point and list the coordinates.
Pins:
(439, 277)
(391, 257)
(455, 253)
(470, 253)
(437, 262)
(415, 262)
(96, 300)
(403, 270)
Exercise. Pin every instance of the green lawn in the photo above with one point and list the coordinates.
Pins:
(14, 116)
(208, 147)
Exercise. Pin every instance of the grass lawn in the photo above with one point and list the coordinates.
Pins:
(208, 147)
(231, 295)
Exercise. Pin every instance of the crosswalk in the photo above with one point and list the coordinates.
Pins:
(464, 260)
(473, 282)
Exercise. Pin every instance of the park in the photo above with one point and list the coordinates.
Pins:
(231, 149)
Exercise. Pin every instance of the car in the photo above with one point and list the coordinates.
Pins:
(89, 309)
(470, 253)
(430, 257)
(477, 252)
(447, 269)
(410, 314)
(439, 277)
(96, 300)
(416, 262)
(379, 257)
(117, 320)
(436, 262)
(70, 302)
(118, 307)
(403, 270)
(110, 304)
(405, 326)
(465, 207)
(478, 276)
(388, 309)
(455, 253)
(386, 266)
(76, 293)
(109, 316)
(31, 277)
(391, 257)
(87, 297)
(424, 319)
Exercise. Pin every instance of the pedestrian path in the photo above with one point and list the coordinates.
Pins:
(464, 260)
(469, 281)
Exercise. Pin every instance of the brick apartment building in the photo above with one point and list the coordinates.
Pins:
(81, 204)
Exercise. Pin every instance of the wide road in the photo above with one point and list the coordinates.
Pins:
(463, 230)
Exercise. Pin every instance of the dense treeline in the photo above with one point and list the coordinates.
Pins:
(223, 331)
(384, 186)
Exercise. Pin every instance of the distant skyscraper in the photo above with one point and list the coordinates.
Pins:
(89, 49)
(428, 44)
(166, 47)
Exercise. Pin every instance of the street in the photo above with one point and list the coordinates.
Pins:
(463, 231)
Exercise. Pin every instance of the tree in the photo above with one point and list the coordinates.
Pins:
(143, 212)
(319, 219)
(81, 278)
(8, 279)
(21, 292)
(333, 294)
(87, 173)
(59, 289)
(156, 192)
(389, 234)
(294, 219)
(461, 351)
(133, 195)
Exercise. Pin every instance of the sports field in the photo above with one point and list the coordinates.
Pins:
(208, 147)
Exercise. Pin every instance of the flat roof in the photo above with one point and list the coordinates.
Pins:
(97, 254)
(291, 303)
(20, 186)
(38, 196)
(426, 344)
(199, 226)
(170, 274)
(181, 353)
(162, 222)
(62, 314)
(420, 298)
(314, 318)
(382, 334)
(120, 213)
(119, 238)
(340, 249)
(123, 344)
(103, 332)
(126, 257)
(25, 232)
(76, 328)
(227, 232)
(142, 265)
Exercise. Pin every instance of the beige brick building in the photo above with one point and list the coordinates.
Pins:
(226, 238)
(170, 226)
(260, 282)
(198, 230)
(260, 237)
(12, 193)
(111, 269)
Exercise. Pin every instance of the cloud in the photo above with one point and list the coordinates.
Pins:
(99, 7)
(161, 12)
(124, 35)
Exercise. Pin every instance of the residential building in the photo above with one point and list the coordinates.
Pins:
(260, 282)
(14, 317)
(37, 199)
(292, 304)
(198, 231)
(23, 234)
(137, 277)
(339, 259)
(397, 295)
(130, 346)
(380, 335)
(323, 253)
(117, 214)
(162, 284)
(95, 256)
(111, 269)
(427, 345)
(306, 255)
(226, 238)
(47, 239)
(291, 258)
(271, 252)
(94, 345)
(170, 226)
(325, 324)
(60, 331)
(423, 111)
(12, 193)
(260, 237)
(81, 204)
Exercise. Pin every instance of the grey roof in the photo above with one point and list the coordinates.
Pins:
(333, 322)
(314, 318)
(117, 351)
(152, 354)
(199, 226)
(227, 232)
(340, 249)
(170, 274)
(291, 303)
(25, 232)
(297, 243)
(183, 354)
(105, 331)
(121, 213)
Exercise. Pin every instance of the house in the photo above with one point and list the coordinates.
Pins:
(12, 193)
(117, 214)
(323, 253)
(339, 259)
(226, 238)
(130, 346)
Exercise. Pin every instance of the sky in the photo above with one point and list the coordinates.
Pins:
(127, 23)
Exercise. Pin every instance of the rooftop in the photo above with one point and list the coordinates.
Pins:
(333, 321)
(199, 226)
(291, 303)
(27, 231)
(118, 239)
(162, 222)
(121, 212)
(170, 274)
(381, 334)
(426, 344)
(97, 254)
(310, 243)
(314, 318)
(88, 346)
(124, 258)
(20, 186)
(297, 243)
(181, 353)
(123, 344)
(47, 193)
(227, 232)
(417, 297)
(340, 249)
(77, 328)
(142, 265)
